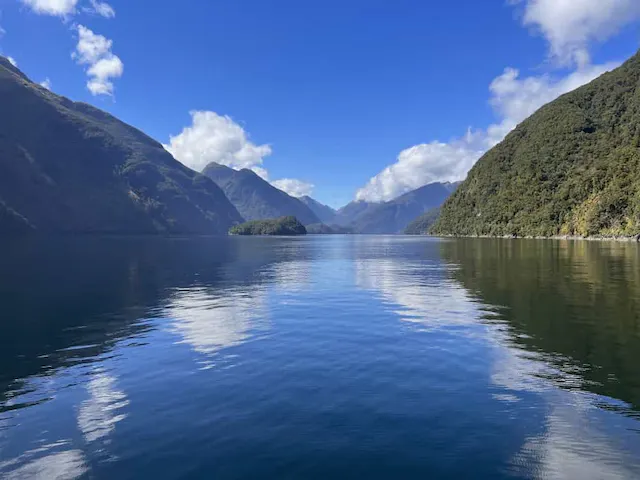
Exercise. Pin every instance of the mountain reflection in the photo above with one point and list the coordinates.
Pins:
(575, 304)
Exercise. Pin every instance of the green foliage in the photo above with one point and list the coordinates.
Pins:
(422, 224)
(276, 226)
(572, 168)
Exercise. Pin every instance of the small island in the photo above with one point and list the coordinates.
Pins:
(276, 226)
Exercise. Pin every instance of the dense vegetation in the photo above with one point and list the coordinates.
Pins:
(324, 229)
(572, 168)
(422, 224)
(395, 215)
(69, 167)
(276, 226)
(325, 213)
(254, 197)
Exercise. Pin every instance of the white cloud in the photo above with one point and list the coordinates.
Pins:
(102, 8)
(216, 138)
(512, 98)
(12, 61)
(295, 188)
(46, 83)
(570, 25)
(95, 50)
(59, 8)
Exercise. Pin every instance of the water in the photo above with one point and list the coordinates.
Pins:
(319, 357)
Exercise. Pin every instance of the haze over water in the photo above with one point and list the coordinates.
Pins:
(319, 357)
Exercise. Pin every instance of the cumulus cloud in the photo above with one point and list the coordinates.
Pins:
(102, 8)
(570, 25)
(58, 8)
(12, 61)
(46, 83)
(295, 188)
(103, 66)
(513, 100)
(215, 138)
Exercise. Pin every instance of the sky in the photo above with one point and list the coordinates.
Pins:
(342, 100)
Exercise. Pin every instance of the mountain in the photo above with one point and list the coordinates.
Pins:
(255, 198)
(423, 223)
(573, 168)
(325, 213)
(348, 214)
(395, 215)
(69, 167)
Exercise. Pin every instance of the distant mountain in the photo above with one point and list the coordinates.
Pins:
(452, 186)
(348, 214)
(572, 168)
(422, 224)
(69, 167)
(325, 213)
(255, 198)
(395, 215)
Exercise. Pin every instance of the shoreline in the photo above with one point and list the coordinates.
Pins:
(623, 239)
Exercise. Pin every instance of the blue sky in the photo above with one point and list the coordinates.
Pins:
(368, 98)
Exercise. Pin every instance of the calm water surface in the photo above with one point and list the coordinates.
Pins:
(319, 357)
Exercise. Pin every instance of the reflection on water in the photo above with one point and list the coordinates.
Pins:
(575, 304)
(352, 357)
(209, 322)
(99, 414)
(40, 463)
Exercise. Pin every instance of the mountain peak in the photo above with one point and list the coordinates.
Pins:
(257, 199)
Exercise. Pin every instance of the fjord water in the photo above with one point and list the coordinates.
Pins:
(319, 357)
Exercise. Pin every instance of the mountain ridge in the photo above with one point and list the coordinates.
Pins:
(255, 198)
(69, 167)
(572, 168)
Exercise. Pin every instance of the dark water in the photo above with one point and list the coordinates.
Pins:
(319, 357)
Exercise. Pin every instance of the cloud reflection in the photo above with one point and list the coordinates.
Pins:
(209, 321)
(98, 416)
(47, 464)
(419, 292)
